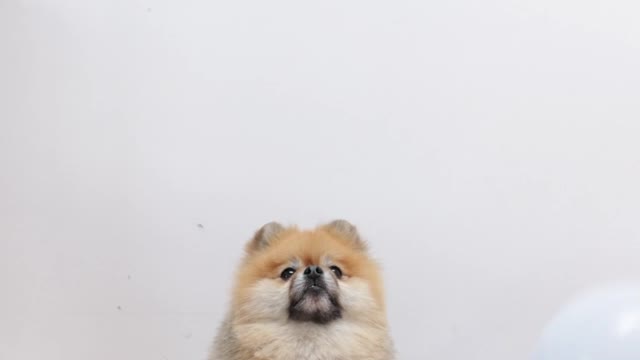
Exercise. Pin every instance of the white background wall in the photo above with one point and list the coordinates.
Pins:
(488, 150)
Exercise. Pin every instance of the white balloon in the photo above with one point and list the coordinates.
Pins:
(603, 324)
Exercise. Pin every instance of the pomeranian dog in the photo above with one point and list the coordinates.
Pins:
(306, 295)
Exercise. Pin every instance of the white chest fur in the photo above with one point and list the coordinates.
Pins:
(341, 340)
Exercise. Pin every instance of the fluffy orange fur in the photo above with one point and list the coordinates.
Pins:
(277, 318)
(310, 247)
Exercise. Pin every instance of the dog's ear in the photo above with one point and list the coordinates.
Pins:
(347, 230)
(264, 236)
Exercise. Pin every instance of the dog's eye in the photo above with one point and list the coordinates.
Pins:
(337, 271)
(287, 273)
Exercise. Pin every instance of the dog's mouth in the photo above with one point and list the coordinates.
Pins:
(315, 304)
(316, 290)
(311, 293)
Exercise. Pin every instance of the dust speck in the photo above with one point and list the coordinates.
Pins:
(148, 10)
(200, 226)
(119, 308)
(128, 277)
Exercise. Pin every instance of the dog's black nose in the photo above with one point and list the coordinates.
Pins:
(313, 272)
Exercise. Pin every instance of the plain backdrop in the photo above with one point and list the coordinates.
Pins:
(488, 150)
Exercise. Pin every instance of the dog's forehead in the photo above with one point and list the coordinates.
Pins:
(309, 248)
(322, 260)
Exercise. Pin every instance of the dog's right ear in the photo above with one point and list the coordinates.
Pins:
(348, 231)
(264, 236)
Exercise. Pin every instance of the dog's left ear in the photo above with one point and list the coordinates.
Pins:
(347, 230)
(264, 236)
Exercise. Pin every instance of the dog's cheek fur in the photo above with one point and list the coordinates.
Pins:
(358, 301)
(267, 299)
